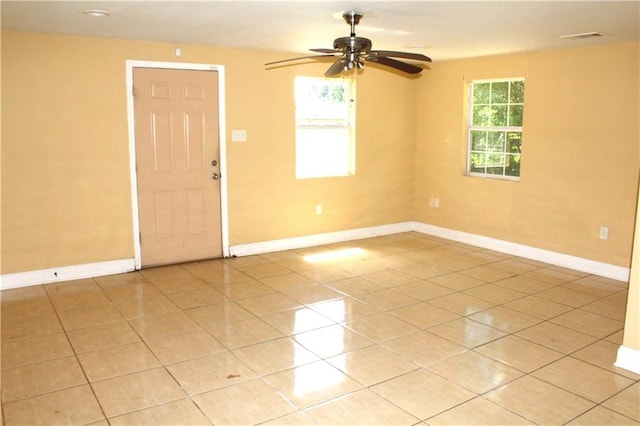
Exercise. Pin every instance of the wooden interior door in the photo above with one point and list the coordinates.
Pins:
(177, 161)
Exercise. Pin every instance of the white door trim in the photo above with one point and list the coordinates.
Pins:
(224, 211)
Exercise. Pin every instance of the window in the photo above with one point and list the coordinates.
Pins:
(325, 127)
(496, 108)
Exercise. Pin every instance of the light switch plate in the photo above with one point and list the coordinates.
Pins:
(238, 136)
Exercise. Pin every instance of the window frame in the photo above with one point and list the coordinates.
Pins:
(349, 127)
(504, 129)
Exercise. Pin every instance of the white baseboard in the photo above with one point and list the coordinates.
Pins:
(629, 359)
(559, 259)
(319, 239)
(65, 273)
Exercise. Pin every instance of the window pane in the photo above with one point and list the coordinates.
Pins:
(495, 159)
(496, 141)
(478, 161)
(513, 165)
(498, 115)
(516, 95)
(481, 115)
(515, 142)
(322, 152)
(481, 93)
(515, 115)
(478, 140)
(499, 92)
(495, 170)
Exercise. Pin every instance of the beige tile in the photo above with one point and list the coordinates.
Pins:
(381, 327)
(181, 412)
(599, 416)
(556, 337)
(69, 287)
(425, 270)
(389, 278)
(214, 315)
(519, 353)
(23, 294)
(228, 406)
(244, 333)
(195, 298)
(25, 307)
(312, 384)
(613, 307)
(539, 402)
(210, 372)
(423, 290)
(170, 286)
(524, 284)
(423, 348)
(72, 406)
(487, 273)
(615, 337)
(422, 393)
(294, 419)
(333, 340)
(268, 304)
(88, 317)
(537, 307)
(626, 402)
(326, 274)
(18, 327)
(354, 286)
(588, 323)
(265, 270)
(551, 275)
(165, 324)
(475, 372)
(360, 408)
(145, 306)
(244, 290)
(137, 391)
(79, 299)
(312, 294)
(287, 281)
(132, 291)
(515, 266)
(457, 281)
(495, 293)
(102, 336)
(423, 315)
(226, 276)
(461, 304)
(578, 377)
(16, 353)
(372, 365)
(394, 261)
(44, 377)
(191, 344)
(604, 354)
(566, 296)
(480, 412)
(593, 287)
(344, 309)
(171, 272)
(467, 332)
(505, 319)
(117, 361)
(387, 299)
(108, 281)
(297, 321)
(274, 356)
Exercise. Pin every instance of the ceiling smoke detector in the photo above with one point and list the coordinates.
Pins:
(581, 35)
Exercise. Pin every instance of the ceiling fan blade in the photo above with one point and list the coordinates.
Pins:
(298, 58)
(325, 50)
(336, 68)
(405, 55)
(402, 66)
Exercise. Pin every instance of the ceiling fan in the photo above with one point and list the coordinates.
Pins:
(352, 51)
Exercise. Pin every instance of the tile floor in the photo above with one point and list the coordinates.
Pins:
(404, 330)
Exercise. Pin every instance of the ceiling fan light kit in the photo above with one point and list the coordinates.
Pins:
(352, 51)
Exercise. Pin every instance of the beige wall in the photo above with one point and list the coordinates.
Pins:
(65, 165)
(580, 152)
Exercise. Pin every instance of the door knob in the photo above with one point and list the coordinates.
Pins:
(215, 176)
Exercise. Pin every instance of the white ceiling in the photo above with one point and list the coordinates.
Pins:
(442, 30)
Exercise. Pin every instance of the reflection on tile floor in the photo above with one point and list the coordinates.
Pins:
(404, 329)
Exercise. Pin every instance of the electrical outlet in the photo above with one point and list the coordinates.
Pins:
(604, 233)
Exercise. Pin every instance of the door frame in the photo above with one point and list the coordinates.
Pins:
(224, 204)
